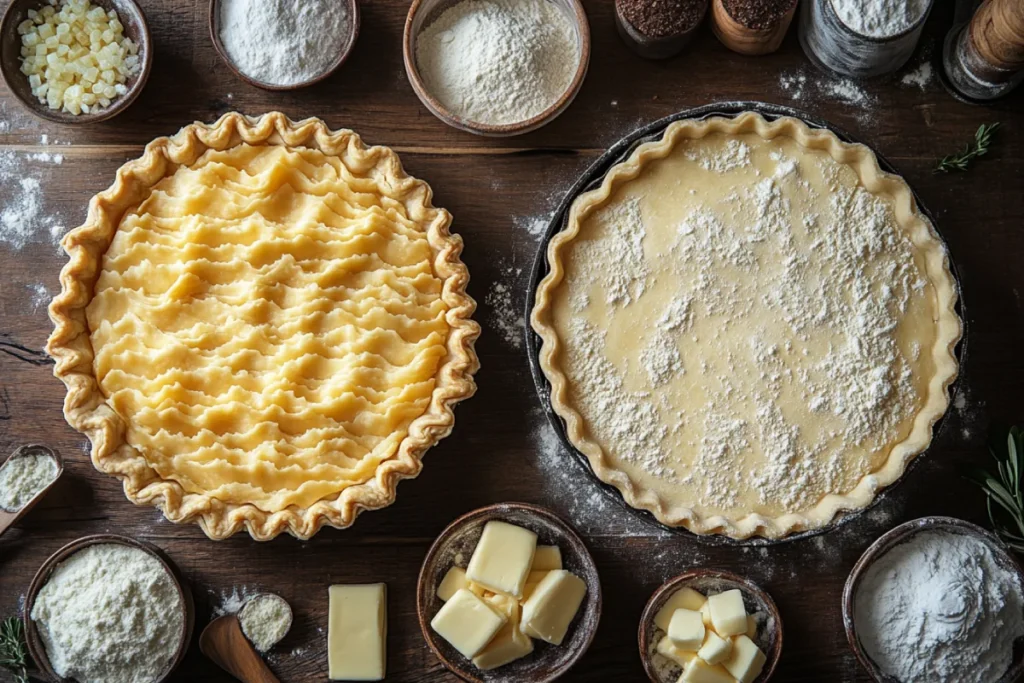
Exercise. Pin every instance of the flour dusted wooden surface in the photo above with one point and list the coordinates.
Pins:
(501, 449)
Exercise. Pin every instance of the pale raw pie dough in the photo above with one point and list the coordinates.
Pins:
(748, 327)
(278, 325)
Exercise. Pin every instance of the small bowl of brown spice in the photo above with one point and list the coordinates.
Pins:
(752, 27)
(658, 29)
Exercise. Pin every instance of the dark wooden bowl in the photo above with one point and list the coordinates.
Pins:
(650, 47)
(423, 12)
(36, 647)
(455, 546)
(9, 518)
(707, 581)
(135, 27)
(346, 49)
(899, 535)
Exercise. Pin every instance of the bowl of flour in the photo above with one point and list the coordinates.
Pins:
(937, 600)
(108, 609)
(496, 67)
(283, 44)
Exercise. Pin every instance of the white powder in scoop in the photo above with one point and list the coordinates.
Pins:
(22, 477)
(940, 607)
(110, 614)
(880, 18)
(498, 61)
(265, 620)
(283, 42)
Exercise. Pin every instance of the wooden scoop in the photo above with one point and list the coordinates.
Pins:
(10, 518)
(224, 643)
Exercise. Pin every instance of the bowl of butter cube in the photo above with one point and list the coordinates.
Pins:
(708, 626)
(509, 593)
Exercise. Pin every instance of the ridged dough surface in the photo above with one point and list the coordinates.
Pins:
(268, 326)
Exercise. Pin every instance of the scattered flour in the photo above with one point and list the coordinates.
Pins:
(801, 87)
(40, 296)
(21, 214)
(534, 226)
(233, 602)
(110, 614)
(506, 309)
(919, 77)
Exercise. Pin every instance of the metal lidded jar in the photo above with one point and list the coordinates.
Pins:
(835, 46)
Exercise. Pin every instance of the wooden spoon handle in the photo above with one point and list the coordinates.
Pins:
(7, 519)
(224, 643)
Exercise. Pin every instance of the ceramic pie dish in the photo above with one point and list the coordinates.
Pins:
(762, 478)
(263, 325)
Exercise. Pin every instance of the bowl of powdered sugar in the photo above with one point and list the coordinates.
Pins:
(284, 44)
(496, 67)
(937, 600)
(108, 609)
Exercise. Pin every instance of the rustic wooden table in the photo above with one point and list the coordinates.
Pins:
(499, 192)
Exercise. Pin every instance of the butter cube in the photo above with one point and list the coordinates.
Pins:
(746, 661)
(510, 643)
(715, 648)
(684, 598)
(551, 608)
(546, 558)
(699, 671)
(357, 632)
(502, 559)
(668, 650)
(751, 627)
(453, 581)
(728, 616)
(467, 622)
(528, 590)
(686, 629)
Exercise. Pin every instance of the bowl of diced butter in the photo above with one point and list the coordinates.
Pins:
(509, 592)
(708, 626)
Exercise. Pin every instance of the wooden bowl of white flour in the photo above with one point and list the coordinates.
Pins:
(107, 606)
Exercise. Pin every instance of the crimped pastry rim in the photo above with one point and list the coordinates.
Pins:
(86, 409)
(922, 234)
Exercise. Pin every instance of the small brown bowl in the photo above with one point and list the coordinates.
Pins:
(707, 581)
(650, 47)
(455, 546)
(135, 27)
(9, 518)
(346, 49)
(37, 649)
(899, 535)
(422, 13)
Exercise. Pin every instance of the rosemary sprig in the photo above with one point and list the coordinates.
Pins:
(13, 651)
(961, 160)
(1004, 496)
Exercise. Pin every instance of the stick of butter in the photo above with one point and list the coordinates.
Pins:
(357, 632)
(467, 622)
(502, 559)
(554, 603)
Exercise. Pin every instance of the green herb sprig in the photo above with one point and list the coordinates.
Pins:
(1005, 498)
(13, 651)
(962, 160)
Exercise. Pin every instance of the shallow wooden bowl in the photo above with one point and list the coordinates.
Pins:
(708, 581)
(424, 12)
(455, 546)
(342, 56)
(899, 535)
(9, 518)
(36, 647)
(135, 27)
